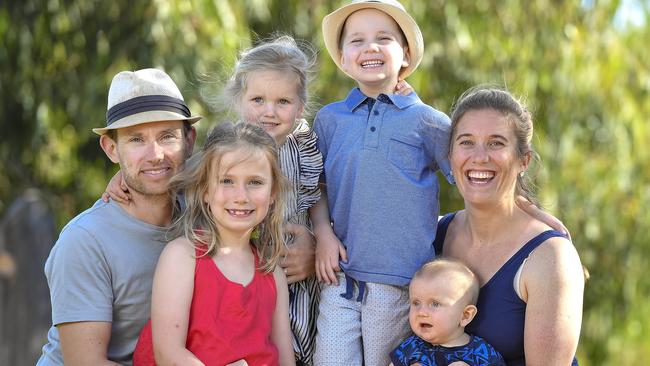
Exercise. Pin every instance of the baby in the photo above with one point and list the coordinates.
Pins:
(443, 295)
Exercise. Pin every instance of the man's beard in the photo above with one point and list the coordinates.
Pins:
(136, 185)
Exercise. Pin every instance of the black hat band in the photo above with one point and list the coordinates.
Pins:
(146, 103)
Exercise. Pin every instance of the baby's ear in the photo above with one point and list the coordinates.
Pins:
(468, 314)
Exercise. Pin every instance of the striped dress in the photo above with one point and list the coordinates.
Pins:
(302, 163)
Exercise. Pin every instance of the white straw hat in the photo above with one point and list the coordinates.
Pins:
(144, 96)
(333, 25)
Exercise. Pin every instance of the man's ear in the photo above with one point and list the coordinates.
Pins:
(468, 314)
(110, 148)
(190, 139)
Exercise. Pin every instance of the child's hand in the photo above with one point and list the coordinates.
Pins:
(298, 262)
(403, 88)
(328, 251)
(542, 216)
(117, 189)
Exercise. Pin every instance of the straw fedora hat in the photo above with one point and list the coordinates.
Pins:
(333, 25)
(144, 96)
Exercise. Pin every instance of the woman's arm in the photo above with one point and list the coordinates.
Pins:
(173, 287)
(552, 286)
(328, 247)
(281, 331)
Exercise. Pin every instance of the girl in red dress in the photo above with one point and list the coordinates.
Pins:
(218, 297)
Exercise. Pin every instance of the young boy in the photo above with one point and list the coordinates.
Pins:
(379, 204)
(443, 296)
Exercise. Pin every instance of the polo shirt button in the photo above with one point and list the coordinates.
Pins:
(372, 129)
(376, 113)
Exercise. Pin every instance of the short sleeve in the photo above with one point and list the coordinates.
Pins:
(435, 129)
(79, 278)
(319, 130)
(311, 166)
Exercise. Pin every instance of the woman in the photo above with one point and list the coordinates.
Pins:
(530, 305)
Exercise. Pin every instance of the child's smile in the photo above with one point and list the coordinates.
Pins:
(372, 51)
(239, 192)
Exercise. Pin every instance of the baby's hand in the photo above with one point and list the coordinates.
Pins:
(117, 189)
(403, 88)
(298, 262)
(328, 251)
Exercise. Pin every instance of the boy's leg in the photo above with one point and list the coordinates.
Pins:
(338, 329)
(384, 322)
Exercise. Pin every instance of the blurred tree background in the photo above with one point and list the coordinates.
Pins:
(582, 65)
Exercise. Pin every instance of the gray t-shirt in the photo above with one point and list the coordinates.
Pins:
(101, 269)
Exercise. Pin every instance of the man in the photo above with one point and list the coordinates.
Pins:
(101, 268)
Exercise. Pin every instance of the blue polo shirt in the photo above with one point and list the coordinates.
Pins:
(380, 159)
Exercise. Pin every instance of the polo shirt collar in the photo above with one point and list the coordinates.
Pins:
(355, 98)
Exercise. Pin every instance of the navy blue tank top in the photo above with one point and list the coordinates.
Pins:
(501, 313)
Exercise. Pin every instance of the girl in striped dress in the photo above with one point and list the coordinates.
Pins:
(269, 88)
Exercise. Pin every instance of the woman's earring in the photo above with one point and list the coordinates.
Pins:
(521, 174)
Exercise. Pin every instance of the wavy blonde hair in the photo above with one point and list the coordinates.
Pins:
(196, 222)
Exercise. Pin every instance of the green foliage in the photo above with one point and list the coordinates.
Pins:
(586, 78)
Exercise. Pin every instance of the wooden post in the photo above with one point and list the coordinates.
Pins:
(27, 233)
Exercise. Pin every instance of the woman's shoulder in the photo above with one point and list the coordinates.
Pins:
(553, 262)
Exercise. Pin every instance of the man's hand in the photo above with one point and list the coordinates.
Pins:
(298, 257)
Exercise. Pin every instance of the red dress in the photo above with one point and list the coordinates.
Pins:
(228, 322)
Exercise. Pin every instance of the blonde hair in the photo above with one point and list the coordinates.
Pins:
(196, 222)
(441, 266)
(282, 54)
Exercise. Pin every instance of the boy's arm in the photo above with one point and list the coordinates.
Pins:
(435, 129)
(328, 247)
(281, 331)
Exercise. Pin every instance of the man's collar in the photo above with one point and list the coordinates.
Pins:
(355, 98)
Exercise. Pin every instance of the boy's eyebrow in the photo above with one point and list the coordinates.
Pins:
(351, 34)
